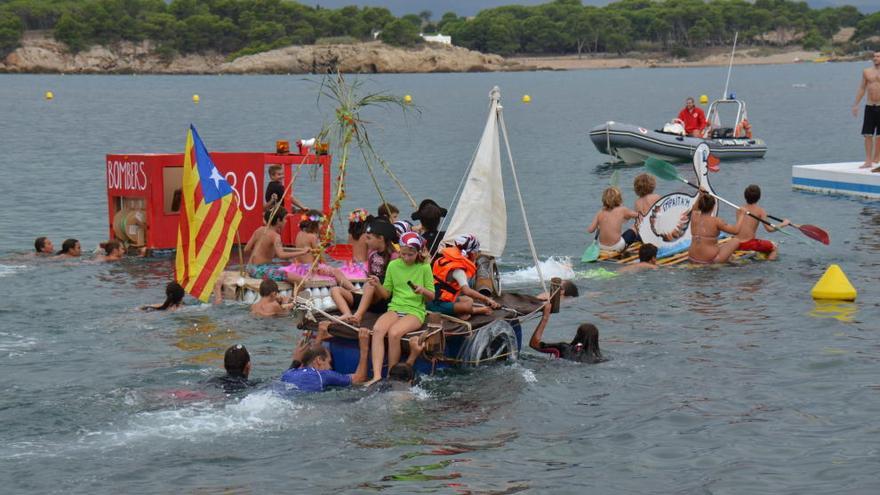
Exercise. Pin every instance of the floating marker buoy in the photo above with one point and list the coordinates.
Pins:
(704, 99)
(407, 99)
(526, 99)
(49, 95)
(834, 285)
(196, 98)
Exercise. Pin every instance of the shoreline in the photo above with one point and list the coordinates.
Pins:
(750, 56)
(41, 54)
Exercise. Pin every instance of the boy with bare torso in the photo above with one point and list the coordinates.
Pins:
(748, 225)
(265, 245)
(271, 302)
(870, 84)
(609, 220)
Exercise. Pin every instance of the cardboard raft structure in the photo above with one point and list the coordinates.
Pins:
(837, 178)
(143, 191)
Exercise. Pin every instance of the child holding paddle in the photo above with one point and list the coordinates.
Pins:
(746, 218)
(609, 220)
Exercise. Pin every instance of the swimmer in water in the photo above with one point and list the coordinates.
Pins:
(271, 302)
(173, 299)
(316, 374)
(70, 248)
(113, 251)
(237, 363)
(584, 348)
(647, 260)
(43, 247)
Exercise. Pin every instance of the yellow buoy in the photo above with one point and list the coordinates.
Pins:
(49, 95)
(834, 286)
(407, 99)
(526, 99)
(704, 99)
(196, 98)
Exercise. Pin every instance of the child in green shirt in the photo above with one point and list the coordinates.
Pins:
(406, 282)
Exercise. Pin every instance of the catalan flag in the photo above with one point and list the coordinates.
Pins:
(209, 218)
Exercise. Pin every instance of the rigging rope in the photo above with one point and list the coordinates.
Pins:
(521, 204)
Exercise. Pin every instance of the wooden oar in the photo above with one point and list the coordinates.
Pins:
(667, 171)
(591, 254)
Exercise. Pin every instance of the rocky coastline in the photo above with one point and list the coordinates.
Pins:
(40, 53)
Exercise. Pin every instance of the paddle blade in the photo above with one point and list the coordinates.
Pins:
(591, 254)
(816, 233)
(712, 163)
(615, 178)
(664, 170)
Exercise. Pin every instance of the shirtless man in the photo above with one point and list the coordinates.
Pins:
(748, 225)
(265, 245)
(870, 84)
(705, 228)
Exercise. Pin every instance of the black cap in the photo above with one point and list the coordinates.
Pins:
(417, 214)
(381, 227)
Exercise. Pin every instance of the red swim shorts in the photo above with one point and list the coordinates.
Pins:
(759, 245)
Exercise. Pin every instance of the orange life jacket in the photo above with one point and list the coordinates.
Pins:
(450, 259)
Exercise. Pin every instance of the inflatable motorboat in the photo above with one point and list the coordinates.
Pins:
(632, 144)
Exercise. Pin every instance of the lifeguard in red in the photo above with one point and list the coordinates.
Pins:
(693, 118)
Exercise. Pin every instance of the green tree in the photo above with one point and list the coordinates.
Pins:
(11, 29)
(72, 32)
(400, 33)
(814, 40)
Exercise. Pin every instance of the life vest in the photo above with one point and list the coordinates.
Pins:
(450, 259)
(743, 129)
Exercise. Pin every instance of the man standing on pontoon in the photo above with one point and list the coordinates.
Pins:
(870, 84)
(693, 118)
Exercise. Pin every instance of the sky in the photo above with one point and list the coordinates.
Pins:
(471, 7)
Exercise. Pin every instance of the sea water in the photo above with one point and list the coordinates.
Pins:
(720, 380)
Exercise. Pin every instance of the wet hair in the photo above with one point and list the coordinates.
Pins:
(68, 245)
(313, 352)
(588, 336)
(705, 203)
(429, 216)
(647, 252)
(235, 359)
(275, 168)
(309, 225)
(40, 243)
(268, 287)
(173, 297)
(402, 372)
(644, 184)
(569, 289)
(611, 198)
(277, 218)
(110, 246)
(752, 194)
(385, 211)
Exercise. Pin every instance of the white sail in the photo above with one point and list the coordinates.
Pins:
(481, 209)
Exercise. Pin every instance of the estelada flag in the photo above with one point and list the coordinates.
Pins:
(209, 218)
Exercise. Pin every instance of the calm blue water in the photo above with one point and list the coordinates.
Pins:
(721, 380)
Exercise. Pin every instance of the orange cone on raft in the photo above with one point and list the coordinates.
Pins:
(834, 285)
